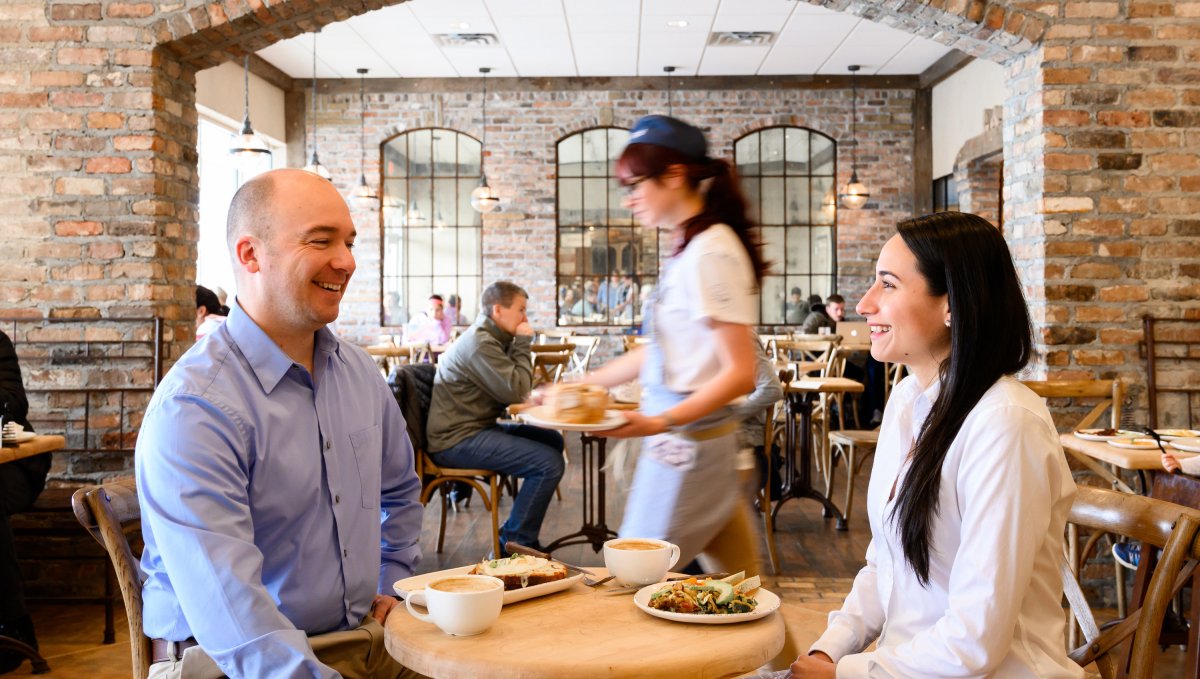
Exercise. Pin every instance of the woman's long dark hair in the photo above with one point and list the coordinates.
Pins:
(724, 202)
(962, 256)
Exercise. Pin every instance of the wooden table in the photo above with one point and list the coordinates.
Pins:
(584, 633)
(42, 443)
(797, 459)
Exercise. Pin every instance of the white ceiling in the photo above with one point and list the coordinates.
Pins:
(539, 38)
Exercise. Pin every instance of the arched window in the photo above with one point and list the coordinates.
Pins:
(788, 176)
(605, 259)
(431, 236)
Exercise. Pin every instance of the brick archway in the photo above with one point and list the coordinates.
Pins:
(98, 167)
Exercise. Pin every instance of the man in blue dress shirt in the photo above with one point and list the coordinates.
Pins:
(275, 475)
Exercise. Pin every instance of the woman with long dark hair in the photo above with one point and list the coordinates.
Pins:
(701, 357)
(970, 490)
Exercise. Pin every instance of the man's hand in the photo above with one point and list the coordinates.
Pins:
(381, 607)
(524, 329)
(814, 666)
(1170, 463)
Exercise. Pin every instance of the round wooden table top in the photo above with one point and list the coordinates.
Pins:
(584, 632)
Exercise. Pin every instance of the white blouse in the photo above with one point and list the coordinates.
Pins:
(993, 605)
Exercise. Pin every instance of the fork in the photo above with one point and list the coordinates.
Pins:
(1157, 439)
(514, 548)
(634, 588)
(594, 583)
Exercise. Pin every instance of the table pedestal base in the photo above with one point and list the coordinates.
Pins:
(797, 462)
(595, 528)
(40, 666)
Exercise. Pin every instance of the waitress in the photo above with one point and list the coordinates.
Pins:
(701, 356)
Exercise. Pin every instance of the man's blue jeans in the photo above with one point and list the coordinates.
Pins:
(531, 454)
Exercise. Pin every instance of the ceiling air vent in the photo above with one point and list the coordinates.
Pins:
(466, 39)
(741, 38)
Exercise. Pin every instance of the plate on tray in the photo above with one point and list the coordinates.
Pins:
(1191, 445)
(1102, 435)
(768, 602)
(542, 416)
(511, 596)
(1134, 444)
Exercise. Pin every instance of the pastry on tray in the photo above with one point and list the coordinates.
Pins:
(519, 571)
(576, 403)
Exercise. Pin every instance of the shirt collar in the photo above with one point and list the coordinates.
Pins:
(266, 359)
(923, 404)
(489, 326)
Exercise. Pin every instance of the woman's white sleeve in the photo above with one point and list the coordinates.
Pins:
(860, 619)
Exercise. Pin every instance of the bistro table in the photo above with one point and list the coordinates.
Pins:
(36, 446)
(583, 633)
(593, 451)
(797, 459)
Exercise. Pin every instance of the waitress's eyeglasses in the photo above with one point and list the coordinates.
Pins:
(630, 185)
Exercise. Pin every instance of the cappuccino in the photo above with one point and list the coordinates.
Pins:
(636, 544)
(463, 585)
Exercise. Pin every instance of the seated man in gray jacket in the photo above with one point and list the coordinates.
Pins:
(479, 376)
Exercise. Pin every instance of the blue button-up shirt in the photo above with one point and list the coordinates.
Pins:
(275, 503)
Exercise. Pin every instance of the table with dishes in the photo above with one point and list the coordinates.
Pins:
(578, 630)
(1128, 450)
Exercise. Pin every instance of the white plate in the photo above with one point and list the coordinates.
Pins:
(630, 392)
(540, 416)
(19, 437)
(1172, 434)
(1091, 435)
(511, 596)
(1191, 445)
(767, 603)
(1134, 444)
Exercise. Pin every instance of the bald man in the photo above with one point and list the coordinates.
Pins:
(279, 498)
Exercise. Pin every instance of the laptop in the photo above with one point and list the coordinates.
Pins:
(855, 334)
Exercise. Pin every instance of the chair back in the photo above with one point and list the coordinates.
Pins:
(1110, 392)
(412, 385)
(107, 511)
(817, 348)
(894, 375)
(631, 342)
(585, 346)
(1156, 524)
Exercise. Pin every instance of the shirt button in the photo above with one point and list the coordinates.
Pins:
(328, 445)
(345, 552)
(337, 499)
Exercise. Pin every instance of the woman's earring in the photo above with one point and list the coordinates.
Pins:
(947, 322)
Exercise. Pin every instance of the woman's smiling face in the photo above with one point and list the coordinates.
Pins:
(908, 323)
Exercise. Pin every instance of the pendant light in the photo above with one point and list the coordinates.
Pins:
(365, 195)
(484, 198)
(314, 164)
(854, 195)
(669, 70)
(248, 149)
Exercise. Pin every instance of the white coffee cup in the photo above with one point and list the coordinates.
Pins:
(639, 561)
(461, 605)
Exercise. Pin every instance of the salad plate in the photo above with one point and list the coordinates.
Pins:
(768, 603)
(1172, 434)
(1134, 444)
(1191, 445)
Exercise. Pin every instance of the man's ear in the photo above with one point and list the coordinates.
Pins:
(245, 251)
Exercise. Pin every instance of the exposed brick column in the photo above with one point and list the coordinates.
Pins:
(979, 182)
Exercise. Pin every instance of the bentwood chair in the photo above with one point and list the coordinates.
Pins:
(109, 512)
(1157, 524)
(550, 362)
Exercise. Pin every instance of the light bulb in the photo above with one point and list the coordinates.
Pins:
(484, 199)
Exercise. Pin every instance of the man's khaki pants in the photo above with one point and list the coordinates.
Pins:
(356, 654)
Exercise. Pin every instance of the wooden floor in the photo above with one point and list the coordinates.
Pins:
(818, 564)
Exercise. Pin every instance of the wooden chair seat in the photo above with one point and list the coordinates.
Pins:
(435, 477)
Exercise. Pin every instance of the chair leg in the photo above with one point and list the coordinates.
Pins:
(110, 581)
(445, 499)
(494, 506)
(849, 454)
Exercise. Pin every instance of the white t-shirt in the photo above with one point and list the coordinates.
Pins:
(711, 280)
(993, 604)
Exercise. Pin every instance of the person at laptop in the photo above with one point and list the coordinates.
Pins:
(825, 315)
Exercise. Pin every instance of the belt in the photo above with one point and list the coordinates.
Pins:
(161, 650)
(712, 432)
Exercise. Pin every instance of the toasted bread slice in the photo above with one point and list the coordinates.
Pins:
(520, 571)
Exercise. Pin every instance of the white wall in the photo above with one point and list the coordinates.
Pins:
(958, 105)
(220, 89)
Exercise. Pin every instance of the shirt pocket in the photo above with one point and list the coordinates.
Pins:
(368, 454)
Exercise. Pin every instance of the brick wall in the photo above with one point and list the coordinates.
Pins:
(978, 183)
(524, 127)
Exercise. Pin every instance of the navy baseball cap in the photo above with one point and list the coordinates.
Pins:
(671, 133)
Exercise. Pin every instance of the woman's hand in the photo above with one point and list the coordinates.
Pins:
(1170, 463)
(636, 424)
(816, 665)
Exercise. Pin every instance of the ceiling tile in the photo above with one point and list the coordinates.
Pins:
(869, 45)
(625, 8)
(793, 59)
(524, 8)
(810, 29)
(603, 23)
(915, 57)
(400, 39)
(468, 60)
(697, 24)
(681, 7)
(606, 54)
(289, 56)
(746, 22)
(732, 60)
(652, 59)
(447, 8)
